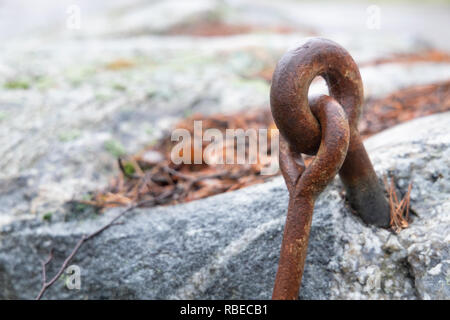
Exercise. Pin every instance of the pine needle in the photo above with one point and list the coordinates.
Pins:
(399, 209)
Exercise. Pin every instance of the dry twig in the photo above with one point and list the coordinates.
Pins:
(47, 284)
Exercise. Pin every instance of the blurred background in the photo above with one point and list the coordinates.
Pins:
(83, 82)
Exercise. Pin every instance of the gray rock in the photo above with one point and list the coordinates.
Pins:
(227, 246)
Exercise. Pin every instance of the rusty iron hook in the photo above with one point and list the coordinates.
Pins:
(318, 127)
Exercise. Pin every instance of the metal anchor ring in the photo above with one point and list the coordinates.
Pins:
(303, 130)
(293, 117)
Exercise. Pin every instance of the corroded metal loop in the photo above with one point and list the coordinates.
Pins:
(290, 84)
(304, 185)
(326, 125)
(297, 124)
(335, 137)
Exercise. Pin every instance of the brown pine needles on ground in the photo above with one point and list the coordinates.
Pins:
(404, 105)
(150, 176)
(214, 28)
(431, 55)
(399, 209)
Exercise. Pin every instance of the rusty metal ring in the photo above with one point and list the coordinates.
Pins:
(293, 117)
(290, 84)
(326, 126)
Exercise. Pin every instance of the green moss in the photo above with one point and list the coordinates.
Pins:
(149, 131)
(77, 75)
(47, 216)
(102, 96)
(129, 169)
(115, 148)
(119, 87)
(256, 84)
(17, 84)
(69, 135)
(3, 115)
(80, 207)
(44, 83)
(87, 197)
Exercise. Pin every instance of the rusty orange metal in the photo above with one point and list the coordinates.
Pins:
(324, 126)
